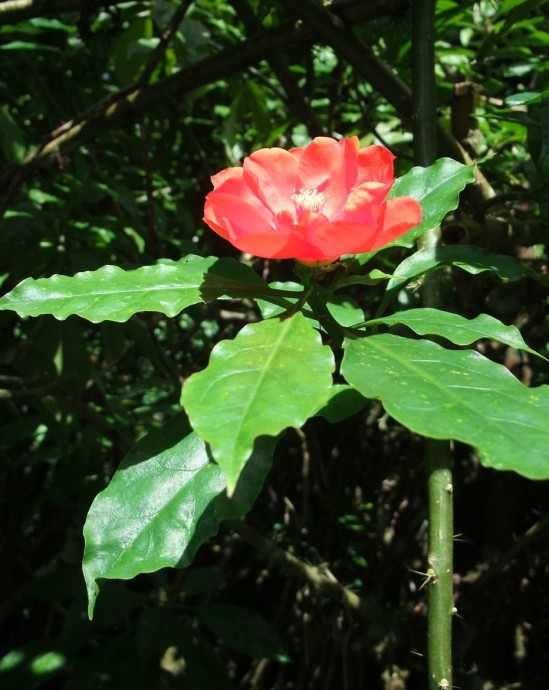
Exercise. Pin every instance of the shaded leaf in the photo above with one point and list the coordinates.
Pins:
(343, 402)
(162, 504)
(242, 629)
(453, 394)
(273, 375)
(344, 309)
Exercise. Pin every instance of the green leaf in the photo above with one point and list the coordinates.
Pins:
(437, 188)
(242, 629)
(454, 394)
(269, 309)
(456, 328)
(273, 375)
(112, 294)
(471, 259)
(345, 310)
(523, 98)
(162, 504)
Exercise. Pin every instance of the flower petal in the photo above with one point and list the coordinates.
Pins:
(330, 167)
(271, 174)
(272, 245)
(231, 181)
(395, 217)
(232, 177)
(248, 230)
(401, 214)
(231, 216)
(375, 164)
(361, 204)
(341, 237)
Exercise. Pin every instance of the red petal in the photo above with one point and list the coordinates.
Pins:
(401, 214)
(271, 176)
(375, 163)
(340, 237)
(272, 245)
(346, 237)
(230, 177)
(231, 182)
(232, 217)
(331, 168)
(361, 204)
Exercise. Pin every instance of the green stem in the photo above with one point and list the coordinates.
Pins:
(441, 600)
(437, 453)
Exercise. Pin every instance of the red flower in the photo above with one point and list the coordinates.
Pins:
(313, 203)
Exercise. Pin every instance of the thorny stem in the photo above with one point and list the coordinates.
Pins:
(437, 453)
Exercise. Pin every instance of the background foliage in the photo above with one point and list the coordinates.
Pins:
(113, 117)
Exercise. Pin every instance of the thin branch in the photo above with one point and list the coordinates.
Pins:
(134, 100)
(334, 29)
(287, 562)
(159, 51)
(295, 97)
(534, 533)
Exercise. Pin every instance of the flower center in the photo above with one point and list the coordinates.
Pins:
(309, 200)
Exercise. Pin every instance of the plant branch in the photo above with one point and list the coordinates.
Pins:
(532, 534)
(287, 562)
(130, 102)
(159, 51)
(295, 97)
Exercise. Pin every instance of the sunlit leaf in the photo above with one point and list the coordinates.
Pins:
(12, 141)
(454, 394)
(471, 259)
(456, 328)
(113, 294)
(273, 375)
(437, 188)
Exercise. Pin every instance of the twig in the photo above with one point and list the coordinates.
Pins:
(158, 52)
(305, 572)
(296, 99)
